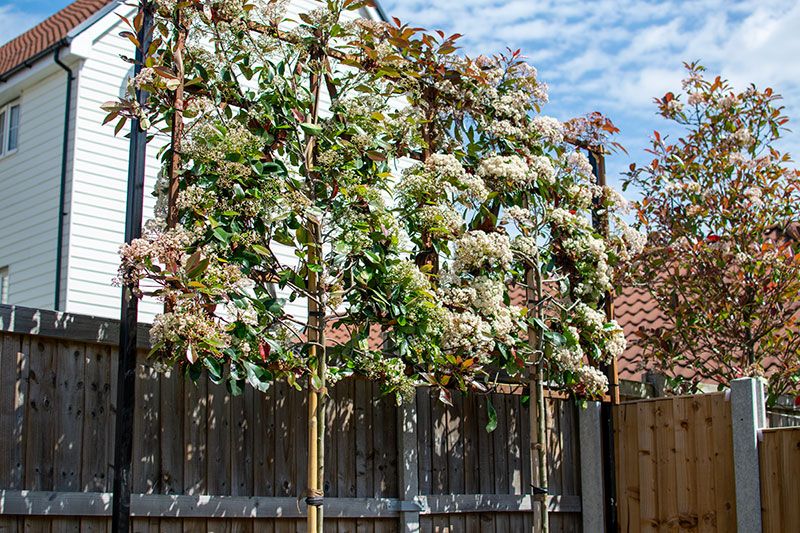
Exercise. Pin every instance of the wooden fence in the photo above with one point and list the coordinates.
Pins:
(779, 461)
(206, 461)
(675, 467)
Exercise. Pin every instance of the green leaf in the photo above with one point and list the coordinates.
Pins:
(234, 386)
(201, 267)
(258, 378)
(214, 368)
(222, 235)
(261, 250)
(491, 425)
(311, 129)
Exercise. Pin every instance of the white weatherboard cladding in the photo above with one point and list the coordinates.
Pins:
(100, 181)
(29, 185)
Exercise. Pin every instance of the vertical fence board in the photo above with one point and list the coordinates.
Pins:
(69, 405)
(470, 429)
(424, 439)
(723, 464)
(702, 421)
(218, 425)
(647, 468)
(264, 451)
(779, 459)
(685, 463)
(790, 468)
(242, 416)
(146, 430)
(500, 459)
(39, 460)
(14, 375)
(346, 451)
(284, 458)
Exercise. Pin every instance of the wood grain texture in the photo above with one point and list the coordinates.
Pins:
(675, 464)
(779, 460)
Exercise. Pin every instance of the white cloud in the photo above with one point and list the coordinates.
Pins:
(14, 21)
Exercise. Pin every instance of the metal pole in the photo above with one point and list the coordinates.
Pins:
(126, 378)
(606, 419)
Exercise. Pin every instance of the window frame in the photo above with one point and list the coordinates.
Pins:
(4, 285)
(5, 128)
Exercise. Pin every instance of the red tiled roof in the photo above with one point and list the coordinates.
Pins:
(44, 35)
(634, 309)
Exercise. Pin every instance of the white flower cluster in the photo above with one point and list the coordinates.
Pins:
(549, 129)
(591, 321)
(541, 168)
(520, 215)
(754, 196)
(743, 137)
(161, 249)
(615, 342)
(674, 107)
(581, 195)
(440, 219)
(192, 327)
(477, 249)
(511, 172)
(525, 246)
(614, 199)
(476, 317)
(442, 174)
(630, 241)
(568, 357)
(512, 104)
(577, 162)
(566, 220)
(595, 383)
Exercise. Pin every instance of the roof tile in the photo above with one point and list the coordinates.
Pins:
(47, 33)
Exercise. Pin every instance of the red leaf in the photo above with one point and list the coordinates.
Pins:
(264, 350)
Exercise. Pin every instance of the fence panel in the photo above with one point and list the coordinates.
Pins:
(779, 462)
(202, 457)
(675, 464)
(457, 456)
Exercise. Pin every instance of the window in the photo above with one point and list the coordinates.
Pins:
(9, 129)
(4, 285)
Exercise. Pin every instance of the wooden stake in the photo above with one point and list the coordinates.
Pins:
(533, 295)
(316, 328)
(176, 132)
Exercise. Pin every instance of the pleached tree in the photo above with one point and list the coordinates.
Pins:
(390, 184)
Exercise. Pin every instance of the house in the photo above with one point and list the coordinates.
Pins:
(63, 175)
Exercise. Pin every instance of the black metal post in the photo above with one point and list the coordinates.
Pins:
(601, 223)
(126, 378)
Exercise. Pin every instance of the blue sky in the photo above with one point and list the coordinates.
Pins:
(611, 56)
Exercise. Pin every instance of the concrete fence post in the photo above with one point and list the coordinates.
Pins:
(591, 452)
(409, 476)
(748, 416)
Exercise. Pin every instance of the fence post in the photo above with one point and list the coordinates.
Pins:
(591, 452)
(408, 473)
(748, 416)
